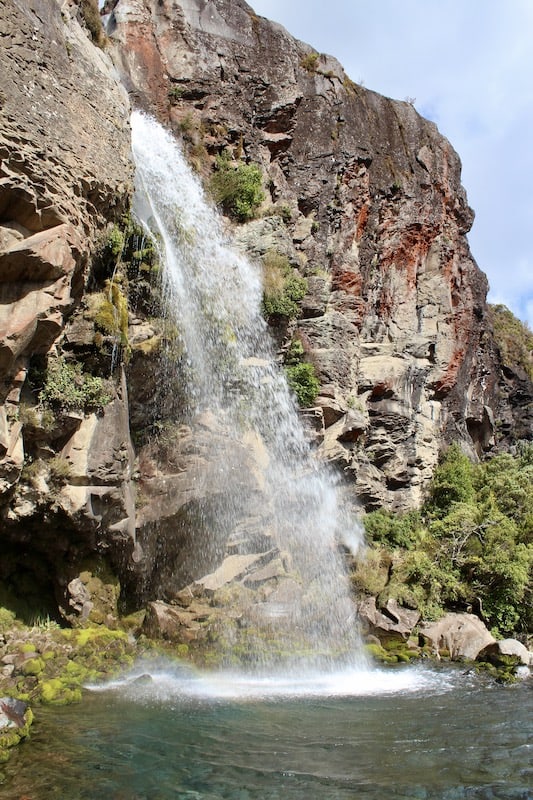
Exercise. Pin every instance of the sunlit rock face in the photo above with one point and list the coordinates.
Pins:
(65, 174)
(363, 198)
(373, 214)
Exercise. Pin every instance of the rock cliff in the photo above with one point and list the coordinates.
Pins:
(65, 173)
(363, 199)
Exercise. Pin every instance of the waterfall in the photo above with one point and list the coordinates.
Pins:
(292, 515)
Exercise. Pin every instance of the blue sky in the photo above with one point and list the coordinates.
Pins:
(469, 66)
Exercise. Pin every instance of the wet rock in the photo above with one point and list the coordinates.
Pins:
(12, 712)
(175, 624)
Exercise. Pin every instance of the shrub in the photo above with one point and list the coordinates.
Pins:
(67, 387)
(471, 544)
(237, 189)
(303, 382)
(175, 93)
(59, 468)
(309, 62)
(452, 481)
(283, 288)
(384, 527)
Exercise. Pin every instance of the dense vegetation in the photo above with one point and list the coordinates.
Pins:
(470, 546)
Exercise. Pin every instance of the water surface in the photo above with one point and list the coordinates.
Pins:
(406, 733)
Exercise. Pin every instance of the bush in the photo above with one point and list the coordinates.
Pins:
(384, 527)
(238, 190)
(452, 481)
(91, 16)
(309, 62)
(471, 544)
(68, 388)
(303, 382)
(283, 288)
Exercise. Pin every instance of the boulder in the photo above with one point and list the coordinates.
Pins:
(463, 636)
(500, 652)
(175, 623)
(390, 622)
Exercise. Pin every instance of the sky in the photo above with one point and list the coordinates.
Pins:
(468, 64)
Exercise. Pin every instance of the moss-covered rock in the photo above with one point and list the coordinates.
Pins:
(11, 732)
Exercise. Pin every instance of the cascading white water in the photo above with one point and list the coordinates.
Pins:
(214, 295)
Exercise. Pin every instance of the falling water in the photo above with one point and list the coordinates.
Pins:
(293, 505)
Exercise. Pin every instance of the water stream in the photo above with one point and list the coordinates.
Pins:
(293, 504)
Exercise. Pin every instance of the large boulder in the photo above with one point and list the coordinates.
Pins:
(461, 636)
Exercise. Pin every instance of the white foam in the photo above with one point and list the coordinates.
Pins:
(168, 684)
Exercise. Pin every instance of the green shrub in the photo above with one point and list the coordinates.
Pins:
(452, 481)
(175, 93)
(237, 189)
(303, 382)
(394, 530)
(472, 543)
(59, 468)
(67, 387)
(283, 287)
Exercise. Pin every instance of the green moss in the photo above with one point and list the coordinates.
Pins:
(33, 666)
(379, 653)
(12, 736)
(59, 692)
(48, 655)
(112, 316)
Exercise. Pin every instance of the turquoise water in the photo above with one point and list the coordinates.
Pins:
(408, 733)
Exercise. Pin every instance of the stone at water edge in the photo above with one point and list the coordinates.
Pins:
(12, 712)
(461, 635)
(391, 622)
(507, 648)
(15, 722)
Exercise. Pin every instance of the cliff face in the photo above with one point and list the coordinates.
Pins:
(363, 199)
(395, 316)
(65, 172)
